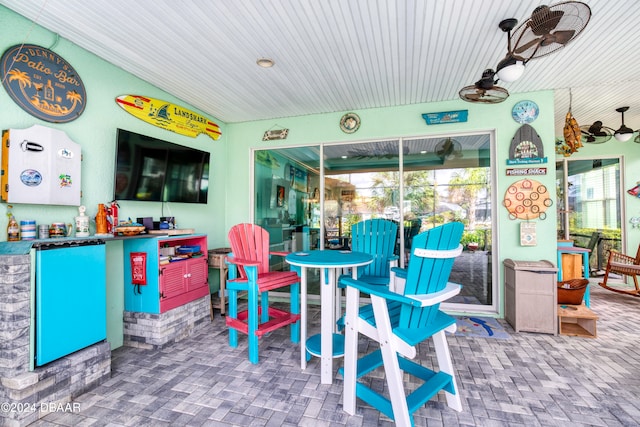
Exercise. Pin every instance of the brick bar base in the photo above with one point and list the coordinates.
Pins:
(155, 331)
(30, 394)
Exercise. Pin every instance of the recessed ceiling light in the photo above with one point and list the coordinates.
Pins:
(265, 62)
(343, 157)
(423, 152)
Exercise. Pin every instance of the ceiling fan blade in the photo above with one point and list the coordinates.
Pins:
(562, 36)
(595, 127)
(491, 98)
(528, 45)
(544, 20)
(474, 96)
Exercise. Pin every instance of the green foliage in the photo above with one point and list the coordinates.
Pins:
(581, 237)
(477, 236)
(348, 221)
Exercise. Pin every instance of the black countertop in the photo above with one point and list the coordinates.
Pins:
(23, 247)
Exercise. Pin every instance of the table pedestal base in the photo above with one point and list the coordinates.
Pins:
(314, 345)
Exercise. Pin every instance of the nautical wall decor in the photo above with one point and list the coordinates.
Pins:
(527, 199)
(272, 135)
(42, 83)
(350, 122)
(526, 171)
(526, 147)
(168, 116)
(525, 111)
(446, 117)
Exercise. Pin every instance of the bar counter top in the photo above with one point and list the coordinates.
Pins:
(22, 247)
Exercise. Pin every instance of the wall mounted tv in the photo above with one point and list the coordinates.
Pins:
(152, 170)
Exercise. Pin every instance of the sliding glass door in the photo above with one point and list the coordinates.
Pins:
(361, 181)
(309, 197)
(448, 179)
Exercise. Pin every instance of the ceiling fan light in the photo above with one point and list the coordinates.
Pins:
(510, 69)
(623, 134)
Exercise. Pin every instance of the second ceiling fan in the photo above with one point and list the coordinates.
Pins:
(548, 29)
(484, 90)
(597, 133)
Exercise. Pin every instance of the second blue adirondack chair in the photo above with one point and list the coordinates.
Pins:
(378, 238)
(401, 320)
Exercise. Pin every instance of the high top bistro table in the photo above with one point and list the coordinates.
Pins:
(330, 263)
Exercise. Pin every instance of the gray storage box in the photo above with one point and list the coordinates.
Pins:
(531, 296)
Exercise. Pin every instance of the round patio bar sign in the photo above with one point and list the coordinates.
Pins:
(42, 83)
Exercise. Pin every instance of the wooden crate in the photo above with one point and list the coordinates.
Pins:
(577, 321)
(571, 266)
(217, 260)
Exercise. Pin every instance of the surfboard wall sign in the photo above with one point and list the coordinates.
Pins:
(168, 116)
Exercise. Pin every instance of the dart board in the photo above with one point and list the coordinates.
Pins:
(527, 199)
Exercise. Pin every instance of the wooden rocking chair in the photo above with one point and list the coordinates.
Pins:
(625, 265)
(399, 320)
(249, 272)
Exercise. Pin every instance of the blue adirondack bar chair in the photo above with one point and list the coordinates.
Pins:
(249, 271)
(399, 321)
(378, 238)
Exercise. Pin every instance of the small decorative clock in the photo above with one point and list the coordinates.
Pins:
(525, 112)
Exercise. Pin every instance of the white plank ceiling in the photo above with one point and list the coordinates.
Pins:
(344, 55)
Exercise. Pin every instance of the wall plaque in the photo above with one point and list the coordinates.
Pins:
(526, 171)
(526, 147)
(42, 83)
(446, 117)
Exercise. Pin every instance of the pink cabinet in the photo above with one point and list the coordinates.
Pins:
(170, 283)
(182, 282)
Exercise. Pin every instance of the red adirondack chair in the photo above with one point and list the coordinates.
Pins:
(249, 272)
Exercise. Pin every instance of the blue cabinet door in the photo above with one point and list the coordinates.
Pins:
(70, 300)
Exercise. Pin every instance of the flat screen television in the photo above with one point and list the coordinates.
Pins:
(153, 170)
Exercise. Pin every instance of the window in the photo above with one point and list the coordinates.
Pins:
(590, 206)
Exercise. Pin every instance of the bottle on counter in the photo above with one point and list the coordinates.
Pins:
(114, 217)
(82, 223)
(101, 219)
(13, 230)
